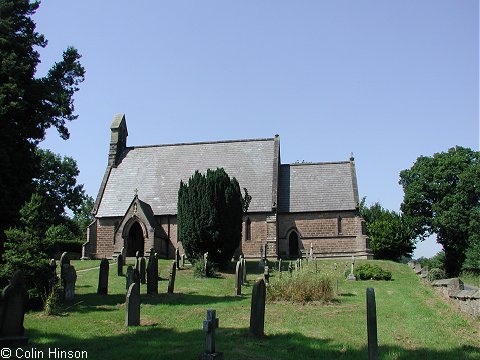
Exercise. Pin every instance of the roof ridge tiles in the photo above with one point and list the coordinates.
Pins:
(202, 143)
(319, 163)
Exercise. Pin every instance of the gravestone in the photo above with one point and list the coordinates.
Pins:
(64, 260)
(123, 252)
(372, 325)
(266, 274)
(261, 263)
(129, 278)
(280, 265)
(120, 265)
(132, 305)
(244, 271)
(143, 269)
(152, 274)
(310, 254)
(265, 246)
(171, 279)
(177, 258)
(238, 278)
(209, 326)
(257, 309)
(351, 276)
(183, 261)
(206, 265)
(68, 280)
(290, 268)
(136, 277)
(137, 263)
(13, 301)
(103, 278)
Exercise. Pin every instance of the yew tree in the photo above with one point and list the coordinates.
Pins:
(210, 213)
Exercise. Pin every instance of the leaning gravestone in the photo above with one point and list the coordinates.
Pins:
(120, 265)
(129, 277)
(171, 280)
(143, 269)
(132, 305)
(257, 310)
(209, 326)
(103, 278)
(13, 301)
(152, 274)
(64, 260)
(69, 278)
(238, 278)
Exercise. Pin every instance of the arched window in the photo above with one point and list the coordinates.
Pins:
(248, 229)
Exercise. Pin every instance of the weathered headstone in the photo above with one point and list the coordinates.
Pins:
(372, 325)
(13, 301)
(64, 260)
(266, 274)
(103, 278)
(177, 258)
(244, 271)
(132, 305)
(310, 254)
(171, 279)
(120, 265)
(209, 326)
(152, 274)
(69, 278)
(143, 270)
(183, 261)
(257, 309)
(123, 252)
(129, 277)
(238, 278)
(280, 265)
(351, 276)
(137, 263)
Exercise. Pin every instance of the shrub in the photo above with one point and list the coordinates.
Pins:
(436, 274)
(301, 287)
(199, 269)
(53, 301)
(372, 272)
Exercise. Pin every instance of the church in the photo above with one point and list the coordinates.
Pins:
(294, 207)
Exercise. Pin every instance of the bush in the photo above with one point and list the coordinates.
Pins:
(53, 301)
(436, 274)
(301, 287)
(372, 272)
(199, 269)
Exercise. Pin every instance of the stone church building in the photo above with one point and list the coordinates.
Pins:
(293, 207)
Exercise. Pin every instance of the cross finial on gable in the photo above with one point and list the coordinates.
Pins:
(136, 192)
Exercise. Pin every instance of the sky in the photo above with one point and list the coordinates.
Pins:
(388, 81)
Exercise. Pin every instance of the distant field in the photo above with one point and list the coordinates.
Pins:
(413, 322)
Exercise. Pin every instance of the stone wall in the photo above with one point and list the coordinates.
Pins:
(105, 232)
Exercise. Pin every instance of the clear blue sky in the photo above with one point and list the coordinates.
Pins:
(386, 80)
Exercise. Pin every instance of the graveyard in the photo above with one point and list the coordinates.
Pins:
(413, 322)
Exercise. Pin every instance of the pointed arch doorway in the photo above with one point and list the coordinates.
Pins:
(135, 240)
(293, 244)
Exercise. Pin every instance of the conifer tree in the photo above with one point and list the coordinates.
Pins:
(210, 211)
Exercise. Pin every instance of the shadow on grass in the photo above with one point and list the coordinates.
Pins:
(153, 342)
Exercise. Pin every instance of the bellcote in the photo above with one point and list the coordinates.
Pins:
(118, 140)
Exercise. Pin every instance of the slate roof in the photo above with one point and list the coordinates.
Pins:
(317, 187)
(156, 172)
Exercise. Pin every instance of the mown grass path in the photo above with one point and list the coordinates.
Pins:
(413, 322)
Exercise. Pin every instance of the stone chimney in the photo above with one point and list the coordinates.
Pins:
(118, 140)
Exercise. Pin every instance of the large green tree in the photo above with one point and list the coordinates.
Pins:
(29, 105)
(389, 232)
(210, 212)
(442, 196)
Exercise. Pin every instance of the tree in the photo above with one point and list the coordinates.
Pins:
(390, 235)
(210, 212)
(28, 105)
(442, 196)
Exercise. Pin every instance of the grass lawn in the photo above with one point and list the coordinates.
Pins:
(413, 322)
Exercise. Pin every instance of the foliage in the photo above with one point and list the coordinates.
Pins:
(83, 217)
(199, 269)
(28, 105)
(210, 211)
(390, 234)
(436, 261)
(52, 304)
(442, 196)
(436, 274)
(371, 272)
(301, 287)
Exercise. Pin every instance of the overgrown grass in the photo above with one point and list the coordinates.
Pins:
(413, 322)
